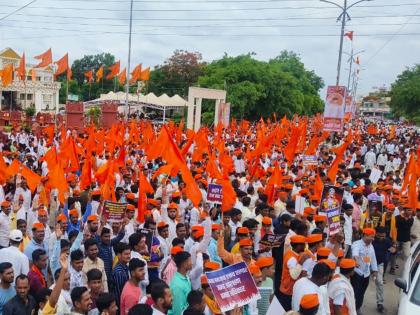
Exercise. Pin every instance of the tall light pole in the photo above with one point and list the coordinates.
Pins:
(127, 84)
(344, 17)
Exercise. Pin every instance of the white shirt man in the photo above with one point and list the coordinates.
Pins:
(12, 254)
(370, 159)
(306, 286)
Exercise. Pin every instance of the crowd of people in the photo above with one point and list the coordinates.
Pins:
(61, 253)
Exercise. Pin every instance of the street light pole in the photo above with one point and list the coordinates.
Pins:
(344, 16)
(127, 84)
(351, 60)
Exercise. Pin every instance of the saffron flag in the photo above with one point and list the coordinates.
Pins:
(33, 74)
(100, 74)
(46, 59)
(113, 70)
(145, 75)
(122, 77)
(357, 61)
(135, 74)
(32, 178)
(7, 75)
(89, 76)
(62, 65)
(58, 180)
(3, 167)
(69, 74)
(349, 34)
(21, 69)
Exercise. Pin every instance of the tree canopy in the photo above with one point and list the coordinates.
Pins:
(405, 94)
(258, 88)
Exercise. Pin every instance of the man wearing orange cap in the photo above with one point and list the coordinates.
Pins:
(340, 290)
(169, 215)
(314, 242)
(309, 305)
(38, 240)
(364, 254)
(292, 269)
(245, 249)
(305, 285)
(241, 233)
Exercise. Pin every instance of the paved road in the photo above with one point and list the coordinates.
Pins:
(391, 295)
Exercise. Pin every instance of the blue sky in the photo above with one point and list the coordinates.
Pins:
(387, 30)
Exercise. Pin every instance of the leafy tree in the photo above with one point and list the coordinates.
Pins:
(177, 74)
(79, 86)
(405, 94)
(257, 88)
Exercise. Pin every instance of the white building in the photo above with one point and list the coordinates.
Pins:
(42, 93)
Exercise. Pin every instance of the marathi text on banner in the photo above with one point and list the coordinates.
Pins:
(309, 160)
(114, 211)
(334, 108)
(214, 194)
(233, 286)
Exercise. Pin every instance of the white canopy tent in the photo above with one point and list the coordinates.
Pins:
(140, 101)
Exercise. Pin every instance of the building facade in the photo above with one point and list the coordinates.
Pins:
(376, 104)
(39, 90)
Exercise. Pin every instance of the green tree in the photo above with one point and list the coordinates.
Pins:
(79, 86)
(177, 74)
(257, 88)
(405, 94)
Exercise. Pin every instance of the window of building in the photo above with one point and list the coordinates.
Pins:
(28, 97)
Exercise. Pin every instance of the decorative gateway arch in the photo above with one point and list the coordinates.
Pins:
(195, 97)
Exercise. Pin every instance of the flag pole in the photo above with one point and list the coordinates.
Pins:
(129, 57)
(115, 84)
(67, 89)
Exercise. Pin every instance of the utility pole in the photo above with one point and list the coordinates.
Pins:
(127, 84)
(351, 60)
(343, 17)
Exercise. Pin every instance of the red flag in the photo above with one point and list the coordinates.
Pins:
(69, 74)
(113, 70)
(62, 65)
(349, 34)
(46, 59)
(21, 69)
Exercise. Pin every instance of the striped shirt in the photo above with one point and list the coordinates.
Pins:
(120, 276)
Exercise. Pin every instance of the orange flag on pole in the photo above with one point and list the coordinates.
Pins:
(33, 74)
(89, 76)
(135, 74)
(21, 69)
(69, 74)
(32, 178)
(145, 75)
(7, 75)
(46, 59)
(122, 77)
(62, 65)
(3, 167)
(58, 180)
(113, 70)
(86, 175)
(100, 74)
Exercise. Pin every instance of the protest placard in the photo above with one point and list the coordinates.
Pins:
(114, 211)
(273, 240)
(214, 194)
(147, 238)
(331, 200)
(309, 160)
(233, 286)
(334, 108)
